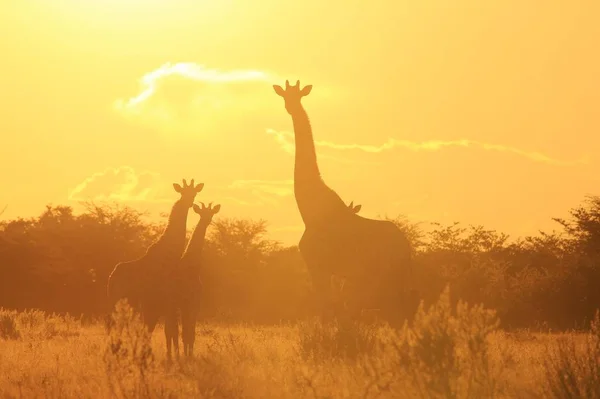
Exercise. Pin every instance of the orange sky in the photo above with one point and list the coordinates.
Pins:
(484, 114)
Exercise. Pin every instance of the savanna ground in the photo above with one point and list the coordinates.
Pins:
(259, 337)
(448, 352)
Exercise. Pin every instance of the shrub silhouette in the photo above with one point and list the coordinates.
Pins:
(59, 262)
(128, 356)
(446, 353)
(572, 367)
(339, 339)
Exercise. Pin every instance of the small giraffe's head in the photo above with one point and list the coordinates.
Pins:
(292, 95)
(207, 212)
(354, 208)
(188, 191)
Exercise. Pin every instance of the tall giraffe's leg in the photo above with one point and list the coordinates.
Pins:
(321, 282)
(323, 295)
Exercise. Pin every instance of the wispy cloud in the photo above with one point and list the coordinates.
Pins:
(183, 96)
(120, 184)
(257, 192)
(187, 97)
(153, 82)
(280, 188)
(286, 140)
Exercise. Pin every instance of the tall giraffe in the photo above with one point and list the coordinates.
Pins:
(186, 286)
(136, 279)
(372, 256)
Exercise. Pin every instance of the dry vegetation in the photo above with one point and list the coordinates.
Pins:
(259, 337)
(447, 353)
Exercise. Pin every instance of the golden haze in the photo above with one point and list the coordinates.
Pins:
(486, 114)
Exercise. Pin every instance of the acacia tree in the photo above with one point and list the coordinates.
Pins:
(60, 261)
(581, 276)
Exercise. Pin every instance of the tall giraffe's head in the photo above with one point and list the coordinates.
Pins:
(292, 95)
(354, 208)
(207, 212)
(188, 191)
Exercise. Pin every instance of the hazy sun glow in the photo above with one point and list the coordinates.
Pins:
(474, 125)
(412, 103)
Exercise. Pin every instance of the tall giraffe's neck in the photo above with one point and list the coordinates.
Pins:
(193, 251)
(172, 240)
(177, 219)
(316, 202)
(306, 168)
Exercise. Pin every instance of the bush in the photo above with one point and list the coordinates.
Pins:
(8, 324)
(59, 262)
(128, 354)
(446, 354)
(348, 339)
(35, 324)
(572, 367)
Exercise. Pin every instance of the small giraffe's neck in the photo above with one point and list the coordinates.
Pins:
(315, 200)
(172, 240)
(196, 244)
(193, 251)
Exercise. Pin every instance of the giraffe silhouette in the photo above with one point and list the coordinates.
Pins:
(354, 208)
(186, 286)
(372, 256)
(138, 279)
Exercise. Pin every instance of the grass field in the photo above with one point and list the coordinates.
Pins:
(447, 353)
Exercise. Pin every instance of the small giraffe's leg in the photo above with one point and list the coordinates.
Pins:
(192, 333)
(188, 324)
(175, 336)
(168, 338)
(172, 333)
(184, 328)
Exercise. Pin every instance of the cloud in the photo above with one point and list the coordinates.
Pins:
(189, 95)
(190, 98)
(257, 192)
(286, 141)
(119, 184)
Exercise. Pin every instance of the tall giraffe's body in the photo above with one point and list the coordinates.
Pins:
(138, 280)
(185, 285)
(373, 256)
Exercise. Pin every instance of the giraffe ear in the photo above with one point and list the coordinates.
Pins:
(199, 187)
(279, 90)
(196, 208)
(357, 208)
(306, 90)
(177, 187)
(216, 208)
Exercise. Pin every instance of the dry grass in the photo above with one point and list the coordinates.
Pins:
(448, 353)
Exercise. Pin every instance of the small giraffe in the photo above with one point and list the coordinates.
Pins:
(135, 279)
(187, 285)
(354, 208)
